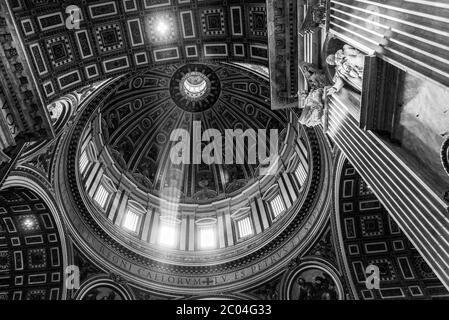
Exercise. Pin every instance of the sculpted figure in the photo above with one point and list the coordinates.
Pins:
(349, 65)
(315, 77)
(313, 111)
(314, 101)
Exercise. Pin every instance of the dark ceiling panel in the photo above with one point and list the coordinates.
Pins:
(115, 37)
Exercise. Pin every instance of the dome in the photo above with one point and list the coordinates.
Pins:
(203, 221)
(141, 116)
(210, 150)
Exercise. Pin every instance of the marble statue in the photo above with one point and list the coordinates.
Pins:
(3, 157)
(313, 102)
(314, 107)
(349, 64)
(315, 77)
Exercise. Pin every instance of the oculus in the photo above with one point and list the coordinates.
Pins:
(195, 87)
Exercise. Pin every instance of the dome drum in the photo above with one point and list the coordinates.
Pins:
(214, 239)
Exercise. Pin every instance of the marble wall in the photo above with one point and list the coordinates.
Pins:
(423, 125)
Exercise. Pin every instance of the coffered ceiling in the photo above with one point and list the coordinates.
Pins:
(119, 36)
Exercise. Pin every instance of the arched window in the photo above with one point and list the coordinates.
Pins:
(298, 168)
(277, 206)
(243, 223)
(207, 233)
(168, 232)
(244, 227)
(300, 174)
(104, 191)
(88, 155)
(83, 162)
(133, 216)
(275, 201)
(207, 237)
(101, 195)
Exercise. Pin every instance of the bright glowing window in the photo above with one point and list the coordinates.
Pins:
(168, 235)
(131, 220)
(207, 237)
(101, 196)
(195, 85)
(277, 205)
(84, 161)
(245, 227)
(301, 174)
(162, 27)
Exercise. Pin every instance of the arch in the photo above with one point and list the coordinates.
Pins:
(307, 214)
(339, 163)
(103, 288)
(368, 235)
(318, 266)
(42, 227)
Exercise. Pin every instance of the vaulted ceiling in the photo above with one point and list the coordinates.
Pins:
(31, 254)
(126, 35)
(371, 237)
(140, 117)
